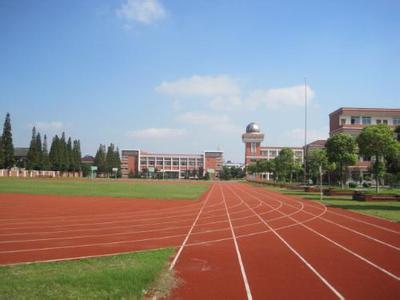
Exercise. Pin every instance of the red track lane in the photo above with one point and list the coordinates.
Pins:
(235, 242)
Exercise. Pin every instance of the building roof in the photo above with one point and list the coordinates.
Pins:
(366, 109)
(87, 159)
(21, 151)
(317, 143)
(252, 127)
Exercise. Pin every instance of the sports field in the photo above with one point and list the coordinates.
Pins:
(106, 188)
(235, 241)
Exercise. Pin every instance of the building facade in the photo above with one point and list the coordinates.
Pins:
(253, 137)
(177, 166)
(352, 120)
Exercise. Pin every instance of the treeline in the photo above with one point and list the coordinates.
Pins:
(377, 144)
(6, 145)
(106, 159)
(283, 168)
(228, 173)
(64, 155)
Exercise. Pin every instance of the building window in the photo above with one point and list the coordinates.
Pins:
(355, 120)
(396, 121)
(273, 153)
(385, 122)
(253, 147)
(175, 161)
(366, 120)
(378, 121)
(167, 161)
(342, 121)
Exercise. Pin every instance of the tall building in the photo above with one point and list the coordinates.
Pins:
(171, 165)
(253, 137)
(352, 120)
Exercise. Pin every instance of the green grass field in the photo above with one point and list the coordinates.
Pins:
(111, 188)
(124, 276)
(384, 209)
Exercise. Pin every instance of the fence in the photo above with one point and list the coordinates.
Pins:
(34, 173)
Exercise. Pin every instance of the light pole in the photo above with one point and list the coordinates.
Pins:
(305, 131)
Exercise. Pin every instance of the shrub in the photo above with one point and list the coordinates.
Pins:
(352, 185)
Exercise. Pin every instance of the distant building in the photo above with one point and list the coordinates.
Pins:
(318, 144)
(87, 160)
(253, 138)
(352, 120)
(231, 164)
(20, 155)
(171, 165)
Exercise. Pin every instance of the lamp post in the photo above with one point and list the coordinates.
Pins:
(305, 131)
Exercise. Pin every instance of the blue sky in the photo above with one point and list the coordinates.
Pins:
(187, 76)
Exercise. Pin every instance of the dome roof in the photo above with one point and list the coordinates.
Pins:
(252, 127)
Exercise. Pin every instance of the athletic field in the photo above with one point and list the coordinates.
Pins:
(235, 241)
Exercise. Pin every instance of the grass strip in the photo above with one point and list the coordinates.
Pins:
(384, 209)
(125, 276)
(111, 188)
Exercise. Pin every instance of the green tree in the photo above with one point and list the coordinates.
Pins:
(315, 159)
(284, 163)
(76, 153)
(100, 159)
(64, 155)
(32, 155)
(1, 154)
(45, 155)
(341, 150)
(8, 147)
(55, 154)
(69, 155)
(117, 162)
(397, 132)
(225, 173)
(110, 159)
(377, 141)
(39, 161)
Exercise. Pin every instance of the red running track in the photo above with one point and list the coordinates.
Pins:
(235, 242)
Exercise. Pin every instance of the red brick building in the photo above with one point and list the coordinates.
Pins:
(253, 138)
(352, 120)
(171, 165)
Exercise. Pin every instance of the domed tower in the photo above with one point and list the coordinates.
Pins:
(252, 140)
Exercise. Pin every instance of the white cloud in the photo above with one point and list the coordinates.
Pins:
(142, 11)
(296, 136)
(289, 97)
(48, 126)
(215, 123)
(157, 133)
(221, 92)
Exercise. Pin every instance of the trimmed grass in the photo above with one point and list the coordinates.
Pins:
(384, 209)
(111, 188)
(124, 276)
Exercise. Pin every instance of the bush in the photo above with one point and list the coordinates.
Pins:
(366, 184)
(352, 185)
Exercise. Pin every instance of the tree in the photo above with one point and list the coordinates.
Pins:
(341, 150)
(39, 161)
(45, 155)
(225, 173)
(8, 147)
(1, 154)
(64, 155)
(55, 154)
(100, 159)
(32, 155)
(377, 141)
(315, 159)
(69, 156)
(284, 163)
(397, 132)
(76, 154)
(110, 159)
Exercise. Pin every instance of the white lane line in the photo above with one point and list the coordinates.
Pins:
(341, 246)
(339, 225)
(190, 231)
(244, 276)
(336, 292)
(356, 219)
